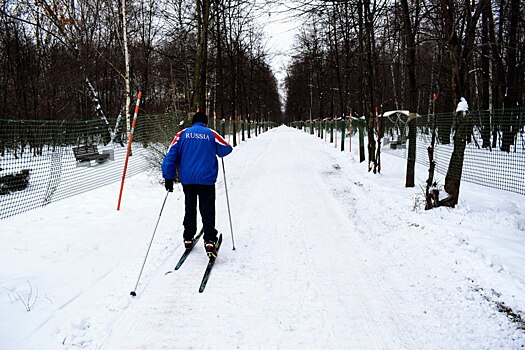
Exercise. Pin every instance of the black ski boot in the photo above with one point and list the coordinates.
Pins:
(211, 249)
(189, 243)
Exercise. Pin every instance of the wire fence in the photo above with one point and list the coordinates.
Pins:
(494, 142)
(46, 161)
(494, 154)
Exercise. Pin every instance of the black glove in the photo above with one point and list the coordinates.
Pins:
(169, 185)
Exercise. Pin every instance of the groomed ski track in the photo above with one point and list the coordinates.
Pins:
(288, 285)
(307, 272)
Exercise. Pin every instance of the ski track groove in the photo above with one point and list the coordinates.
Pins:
(383, 337)
(374, 284)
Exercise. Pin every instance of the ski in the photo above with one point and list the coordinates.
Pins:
(211, 262)
(188, 251)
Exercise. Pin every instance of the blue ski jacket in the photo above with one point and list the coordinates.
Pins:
(194, 152)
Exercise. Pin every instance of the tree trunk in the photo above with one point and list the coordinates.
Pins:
(411, 156)
(455, 169)
(361, 129)
(370, 80)
(485, 74)
(513, 88)
(498, 71)
(127, 82)
(411, 98)
(198, 101)
(459, 52)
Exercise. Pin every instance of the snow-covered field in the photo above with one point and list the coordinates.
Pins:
(328, 256)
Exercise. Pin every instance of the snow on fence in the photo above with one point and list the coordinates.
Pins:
(495, 149)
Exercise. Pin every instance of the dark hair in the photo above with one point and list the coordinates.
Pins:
(199, 117)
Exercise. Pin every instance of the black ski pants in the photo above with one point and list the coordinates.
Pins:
(206, 199)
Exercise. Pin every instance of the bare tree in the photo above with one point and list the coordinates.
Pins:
(202, 11)
(459, 48)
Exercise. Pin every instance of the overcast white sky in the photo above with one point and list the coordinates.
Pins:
(280, 29)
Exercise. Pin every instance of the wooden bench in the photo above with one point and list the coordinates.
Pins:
(397, 144)
(14, 182)
(87, 153)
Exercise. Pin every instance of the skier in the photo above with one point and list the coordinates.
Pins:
(193, 154)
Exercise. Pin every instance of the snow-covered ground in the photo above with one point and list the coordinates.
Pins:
(328, 256)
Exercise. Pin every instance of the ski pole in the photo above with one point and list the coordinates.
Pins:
(147, 252)
(228, 202)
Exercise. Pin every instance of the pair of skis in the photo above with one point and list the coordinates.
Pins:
(211, 260)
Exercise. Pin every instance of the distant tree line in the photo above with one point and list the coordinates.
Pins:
(359, 54)
(71, 60)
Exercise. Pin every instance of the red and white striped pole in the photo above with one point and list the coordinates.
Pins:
(129, 145)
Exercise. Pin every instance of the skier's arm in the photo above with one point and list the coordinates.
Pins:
(222, 146)
(170, 162)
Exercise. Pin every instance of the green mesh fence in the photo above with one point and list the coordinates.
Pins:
(494, 147)
(494, 143)
(45, 161)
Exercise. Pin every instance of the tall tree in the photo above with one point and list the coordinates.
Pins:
(510, 127)
(198, 101)
(409, 35)
(127, 69)
(459, 47)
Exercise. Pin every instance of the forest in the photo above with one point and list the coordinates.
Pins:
(401, 54)
(83, 59)
(349, 57)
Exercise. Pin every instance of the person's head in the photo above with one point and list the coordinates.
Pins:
(200, 117)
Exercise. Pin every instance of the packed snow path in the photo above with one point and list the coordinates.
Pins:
(325, 259)
(297, 279)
